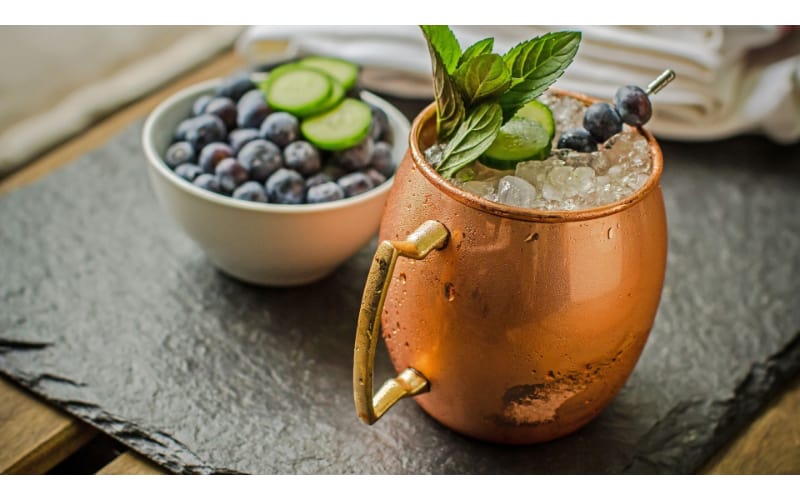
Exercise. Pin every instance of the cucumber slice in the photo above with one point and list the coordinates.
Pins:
(520, 139)
(342, 127)
(298, 90)
(344, 72)
(539, 112)
(335, 97)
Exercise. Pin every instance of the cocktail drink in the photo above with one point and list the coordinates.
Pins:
(566, 179)
(526, 293)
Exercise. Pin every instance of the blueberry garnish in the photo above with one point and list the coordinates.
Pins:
(578, 139)
(602, 121)
(633, 105)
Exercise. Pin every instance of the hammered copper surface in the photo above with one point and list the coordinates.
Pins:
(527, 323)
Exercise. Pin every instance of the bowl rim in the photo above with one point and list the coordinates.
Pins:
(157, 163)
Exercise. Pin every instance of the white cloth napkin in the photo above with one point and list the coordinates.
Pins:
(731, 80)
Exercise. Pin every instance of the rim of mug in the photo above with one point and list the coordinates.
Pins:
(529, 214)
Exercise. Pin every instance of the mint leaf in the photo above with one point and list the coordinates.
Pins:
(478, 48)
(482, 76)
(535, 65)
(445, 43)
(474, 136)
(449, 104)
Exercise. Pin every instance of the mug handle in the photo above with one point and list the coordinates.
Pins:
(431, 235)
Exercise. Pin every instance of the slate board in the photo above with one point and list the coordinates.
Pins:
(114, 315)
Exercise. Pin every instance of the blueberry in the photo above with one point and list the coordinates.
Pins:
(199, 106)
(225, 109)
(333, 170)
(251, 110)
(602, 121)
(207, 182)
(235, 86)
(261, 158)
(180, 130)
(317, 179)
(188, 171)
(327, 191)
(355, 183)
(237, 138)
(578, 139)
(356, 157)
(379, 127)
(382, 159)
(633, 105)
(286, 186)
(204, 129)
(179, 152)
(250, 97)
(212, 154)
(376, 177)
(231, 174)
(280, 128)
(303, 157)
(251, 191)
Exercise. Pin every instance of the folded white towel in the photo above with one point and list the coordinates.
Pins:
(731, 80)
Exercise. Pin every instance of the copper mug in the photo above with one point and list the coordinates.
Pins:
(508, 324)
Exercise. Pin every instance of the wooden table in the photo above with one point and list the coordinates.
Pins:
(37, 438)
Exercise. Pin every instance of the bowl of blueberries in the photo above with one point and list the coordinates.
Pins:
(279, 177)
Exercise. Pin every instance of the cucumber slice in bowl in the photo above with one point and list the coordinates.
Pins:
(339, 128)
(298, 90)
(334, 98)
(520, 139)
(344, 72)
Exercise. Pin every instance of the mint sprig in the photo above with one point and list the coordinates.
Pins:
(478, 48)
(449, 104)
(442, 40)
(481, 77)
(477, 91)
(473, 137)
(535, 65)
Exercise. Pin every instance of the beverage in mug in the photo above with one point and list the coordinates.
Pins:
(567, 179)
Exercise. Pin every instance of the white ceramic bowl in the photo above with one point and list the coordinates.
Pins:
(262, 243)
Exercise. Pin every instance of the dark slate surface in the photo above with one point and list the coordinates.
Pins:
(111, 313)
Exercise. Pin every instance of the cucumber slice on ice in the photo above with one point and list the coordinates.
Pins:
(298, 90)
(520, 139)
(342, 127)
(344, 72)
(539, 112)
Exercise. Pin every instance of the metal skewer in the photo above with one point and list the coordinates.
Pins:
(659, 83)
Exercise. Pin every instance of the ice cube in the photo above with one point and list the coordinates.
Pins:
(583, 179)
(513, 190)
(567, 112)
(627, 148)
(535, 172)
(559, 179)
(550, 192)
(635, 181)
(434, 154)
(483, 173)
(484, 189)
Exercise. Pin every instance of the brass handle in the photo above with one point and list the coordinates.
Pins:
(431, 235)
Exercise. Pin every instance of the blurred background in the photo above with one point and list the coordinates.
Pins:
(732, 80)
